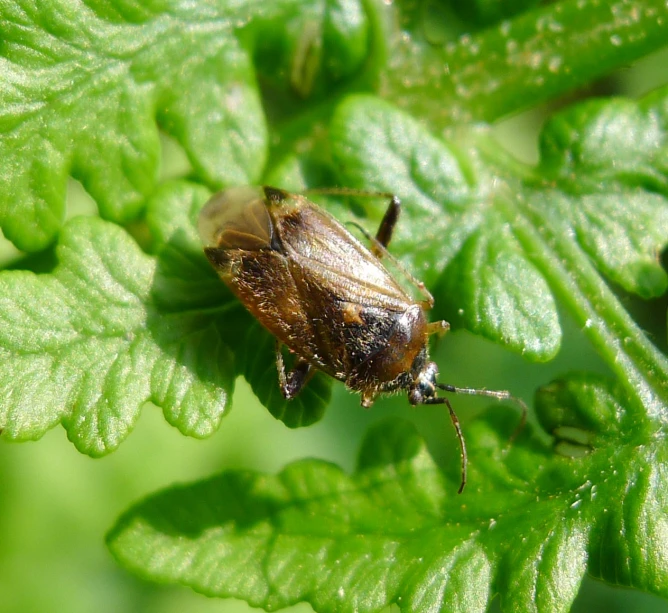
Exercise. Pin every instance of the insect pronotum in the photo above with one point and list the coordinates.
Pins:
(328, 297)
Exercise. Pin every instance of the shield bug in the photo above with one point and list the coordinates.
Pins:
(326, 296)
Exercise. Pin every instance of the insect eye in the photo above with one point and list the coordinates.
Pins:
(427, 378)
(426, 388)
(425, 384)
(421, 392)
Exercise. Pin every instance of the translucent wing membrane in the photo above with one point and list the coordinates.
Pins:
(236, 218)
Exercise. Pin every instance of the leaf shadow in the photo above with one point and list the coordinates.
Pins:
(190, 301)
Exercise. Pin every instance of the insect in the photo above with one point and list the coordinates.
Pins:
(326, 296)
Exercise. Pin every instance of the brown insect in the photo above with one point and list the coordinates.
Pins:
(327, 296)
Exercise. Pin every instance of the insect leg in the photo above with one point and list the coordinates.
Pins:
(291, 383)
(460, 436)
(438, 327)
(384, 234)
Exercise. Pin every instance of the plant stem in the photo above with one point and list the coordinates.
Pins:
(639, 366)
(524, 61)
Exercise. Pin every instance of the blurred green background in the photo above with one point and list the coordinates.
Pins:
(56, 505)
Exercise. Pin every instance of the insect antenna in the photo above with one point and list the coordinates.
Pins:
(460, 436)
(348, 191)
(498, 394)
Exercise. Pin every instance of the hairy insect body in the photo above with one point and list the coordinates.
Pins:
(327, 297)
(317, 289)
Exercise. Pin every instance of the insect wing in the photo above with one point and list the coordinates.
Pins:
(236, 218)
(302, 275)
(237, 230)
(351, 301)
(326, 251)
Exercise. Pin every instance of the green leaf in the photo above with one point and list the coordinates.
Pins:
(83, 94)
(257, 354)
(500, 237)
(345, 37)
(626, 538)
(507, 295)
(449, 223)
(609, 159)
(84, 88)
(536, 56)
(87, 346)
(528, 526)
(379, 148)
(488, 11)
(581, 403)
